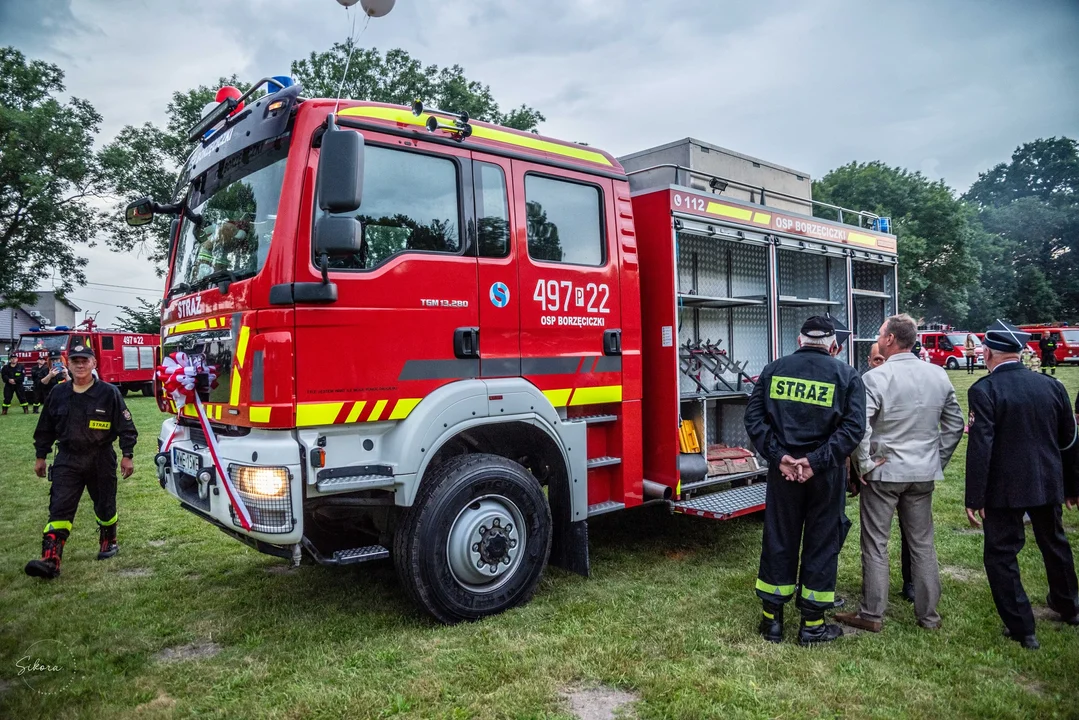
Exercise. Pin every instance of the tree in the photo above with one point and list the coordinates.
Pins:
(1031, 206)
(145, 160)
(48, 173)
(934, 230)
(146, 318)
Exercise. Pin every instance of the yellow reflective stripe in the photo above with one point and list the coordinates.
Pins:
(57, 525)
(189, 410)
(234, 393)
(818, 595)
(781, 590)
(405, 117)
(377, 411)
(100, 424)
(762, 218)
(183, 327)
(354, 413)
(861, 239)
(596, 395)
(105, 523)
(241, 345)
(260, 414)
(558, 398)
(403, 407)
(814, 623)
(732, 212)
(770, 616)
(801, 390)
(308, 414)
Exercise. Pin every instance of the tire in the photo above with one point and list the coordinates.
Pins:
(953, 364)
(148, 390)
(123, 390)
(440, 536)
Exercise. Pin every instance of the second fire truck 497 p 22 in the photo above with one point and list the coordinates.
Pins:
(419, 336)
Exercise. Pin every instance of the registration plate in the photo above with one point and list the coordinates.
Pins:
(186, 462)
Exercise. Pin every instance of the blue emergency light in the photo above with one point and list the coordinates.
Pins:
(883, 225)
(61, 327)
(35, 329)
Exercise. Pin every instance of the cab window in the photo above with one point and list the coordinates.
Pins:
(492, 210)
(930, 342)
(106, 343)
(410, 203)
(564, 221)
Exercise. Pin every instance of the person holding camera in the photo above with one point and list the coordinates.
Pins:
(82, 418)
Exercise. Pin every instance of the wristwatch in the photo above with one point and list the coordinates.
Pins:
(129, 456)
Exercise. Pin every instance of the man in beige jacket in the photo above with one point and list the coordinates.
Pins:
(914, 424)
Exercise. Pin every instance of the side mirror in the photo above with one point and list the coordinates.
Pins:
(139, 212)
(338, 236)
(340, 169)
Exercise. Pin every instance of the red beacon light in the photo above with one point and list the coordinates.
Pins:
(225, 104)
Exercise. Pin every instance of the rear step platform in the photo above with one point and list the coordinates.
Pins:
(725, 504)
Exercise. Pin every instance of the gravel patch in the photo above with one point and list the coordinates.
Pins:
(191, 651)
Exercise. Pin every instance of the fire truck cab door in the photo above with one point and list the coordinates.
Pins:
(571, 319)
(405, 320)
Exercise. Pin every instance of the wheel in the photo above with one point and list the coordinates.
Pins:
(953, 364)
(148, 390)
(123, 390)
(476, 541)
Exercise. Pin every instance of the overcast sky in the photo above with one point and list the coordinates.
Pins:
(947, 87)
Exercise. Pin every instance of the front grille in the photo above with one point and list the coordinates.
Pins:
(268, 515)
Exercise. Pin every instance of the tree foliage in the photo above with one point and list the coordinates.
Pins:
(48, 173)
(146, 318)
(935, 232)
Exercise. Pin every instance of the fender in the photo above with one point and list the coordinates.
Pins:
(467, 404)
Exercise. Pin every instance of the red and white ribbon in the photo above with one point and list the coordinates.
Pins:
(177, 373)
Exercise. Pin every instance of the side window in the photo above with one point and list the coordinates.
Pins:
(106, 342)
(146, 356)
(410, 202)
(930, 341)
(564, 221)
(492, 210)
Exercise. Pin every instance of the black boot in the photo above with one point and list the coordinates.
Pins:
(35, 409)
(815, 630)
(771, 627)
(908, 591)
(108, 542)
(48, 567)
(5, 411)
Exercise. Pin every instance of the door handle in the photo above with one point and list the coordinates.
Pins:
(466, 342)
(612, 342)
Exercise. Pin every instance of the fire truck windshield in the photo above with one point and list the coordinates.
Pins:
(960, 339)
(37, 343)
(231, 217)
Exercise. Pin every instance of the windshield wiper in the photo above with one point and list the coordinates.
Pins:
(223, 278)
(179, 288)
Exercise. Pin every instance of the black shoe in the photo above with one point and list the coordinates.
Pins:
(1070, 620)
(908, 592)
(48, 567)
(838, 603)
(1030, 642)
(812, 634)
(108, 546)
(771, 628)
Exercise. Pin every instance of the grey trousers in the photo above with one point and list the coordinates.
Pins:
(879, 502)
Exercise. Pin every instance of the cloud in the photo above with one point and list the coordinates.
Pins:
(948, 88)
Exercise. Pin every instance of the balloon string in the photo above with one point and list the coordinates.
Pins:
(351, 49)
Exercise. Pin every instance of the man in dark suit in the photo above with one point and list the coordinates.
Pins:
(1021, 460)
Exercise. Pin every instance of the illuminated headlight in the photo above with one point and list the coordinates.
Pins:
(267, 482)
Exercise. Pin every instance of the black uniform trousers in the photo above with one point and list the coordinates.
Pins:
(1005, 536)
(97, 475)
(15, 389)
(807, 515)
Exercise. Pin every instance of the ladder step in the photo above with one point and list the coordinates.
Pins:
(593, 419)
(726, 504)
(360, 554)
(354, 482)
(603, 462)
(605, 507)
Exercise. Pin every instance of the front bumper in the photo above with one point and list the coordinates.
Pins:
(276, 520)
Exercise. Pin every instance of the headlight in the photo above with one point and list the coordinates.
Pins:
(269, 482)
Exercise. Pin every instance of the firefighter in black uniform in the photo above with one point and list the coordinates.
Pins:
(1048, 347)
(41, 374)
(1021, 460)
(83, 417)
(12, 375)
(805, 417)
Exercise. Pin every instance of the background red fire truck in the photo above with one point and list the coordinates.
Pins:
(399, 332)
(1067, 339)
(127, 360)
(947, 348)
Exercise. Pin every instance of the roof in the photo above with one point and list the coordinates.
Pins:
(59, 297)
(715, 148)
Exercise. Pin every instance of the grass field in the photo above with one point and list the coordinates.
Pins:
(186, 622)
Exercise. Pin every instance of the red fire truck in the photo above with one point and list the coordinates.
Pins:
(947, 348)
(125, 359)
(1067, 340)
(400, 332)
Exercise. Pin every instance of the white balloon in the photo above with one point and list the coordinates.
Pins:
(377, 8)
(347, 3)
(208, 107)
